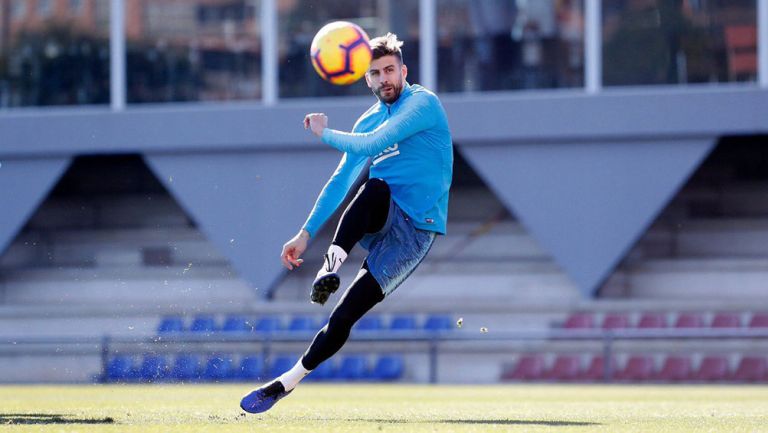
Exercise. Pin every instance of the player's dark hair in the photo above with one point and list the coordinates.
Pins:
(387, 45)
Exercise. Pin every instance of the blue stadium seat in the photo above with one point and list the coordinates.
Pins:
(186, 367)
(302, 324)
(120, 369)
(388, 368)
(324, 371)
(219, 368)
(438, 322)
(353, 367)
(403, 323)
(237, 324)
(281, 364)
(369, 323)
(251, 368)
(170, 324)
(154, 368)
(267, 324)
(203, 324)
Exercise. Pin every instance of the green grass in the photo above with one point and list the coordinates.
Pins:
(386, 408)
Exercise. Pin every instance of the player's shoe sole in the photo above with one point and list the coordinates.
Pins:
(262, 399)
(323, 287)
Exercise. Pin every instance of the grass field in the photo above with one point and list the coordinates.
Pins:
(386, 408)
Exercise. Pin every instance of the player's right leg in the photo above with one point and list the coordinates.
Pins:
(366, 213)
(360, 297)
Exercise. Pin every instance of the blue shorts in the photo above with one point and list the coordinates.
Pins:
(396, 250)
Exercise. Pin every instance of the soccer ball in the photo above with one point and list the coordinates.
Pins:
(340, 53)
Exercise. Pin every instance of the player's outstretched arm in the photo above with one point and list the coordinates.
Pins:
(418, 115)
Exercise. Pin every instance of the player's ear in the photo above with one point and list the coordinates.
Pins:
(368, 80)
(404, 70)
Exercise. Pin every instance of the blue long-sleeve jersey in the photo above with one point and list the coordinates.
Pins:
(409, 145)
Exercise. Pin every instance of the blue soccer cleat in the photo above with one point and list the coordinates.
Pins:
(264, 398)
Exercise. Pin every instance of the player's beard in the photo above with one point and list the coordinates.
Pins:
(392, 94)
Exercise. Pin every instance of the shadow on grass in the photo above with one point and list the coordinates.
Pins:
(480, 422)
(47, 418)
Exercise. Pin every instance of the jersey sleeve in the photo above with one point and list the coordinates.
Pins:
(418, 114)
(334, 191)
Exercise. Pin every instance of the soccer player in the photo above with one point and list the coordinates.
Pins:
(395, 215)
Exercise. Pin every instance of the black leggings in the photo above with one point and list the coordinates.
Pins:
(367, 213)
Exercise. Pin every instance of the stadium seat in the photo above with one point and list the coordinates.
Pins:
(639, 368)
(203, 324)
(403, 323)
(759, 320)
(726, 320)
(303, 324)
(237, 324)
(565, 368)
(676, 368)
(120, 369)
(689, 320)
(154, 368)
(712, 368)
(267, 324)
(369, 323)
(652, 321)
(595, 371)
(751, 369)
(353, 367)
(186, 367)
(579, 321)
(170, 325)
(388, 368)
(615, 321)
(528, 367)
(438, 322)
(251, 368)
(324, 371)
(280, 364)
(218, 368)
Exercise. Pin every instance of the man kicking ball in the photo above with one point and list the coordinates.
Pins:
(395, 215)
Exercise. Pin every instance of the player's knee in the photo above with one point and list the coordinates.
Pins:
(376, 187)
(340, 322)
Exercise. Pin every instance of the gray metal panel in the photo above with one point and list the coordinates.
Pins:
(23, 186)
(588, 203)
(248, 203)
(563, 116)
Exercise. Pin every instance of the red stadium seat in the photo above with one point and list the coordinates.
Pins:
(759, 320)
(676, 368)
(652, 320)
(615, 321)
(713, 368)
(689, 320)
(528, 367)
(579, 321)
(751, 369)
(595, 372)
(565, 367)
(639, 368)
(726, 320)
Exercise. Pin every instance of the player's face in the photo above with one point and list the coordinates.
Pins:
(386, 78)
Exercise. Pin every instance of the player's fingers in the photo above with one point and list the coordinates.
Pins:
(286, 263)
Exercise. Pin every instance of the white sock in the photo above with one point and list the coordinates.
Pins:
(292, 377)
(332, 260)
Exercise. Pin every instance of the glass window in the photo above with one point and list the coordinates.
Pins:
(509, 44)
(44, 8)
(299, 20)
(48, 58)
(678, 41)
(193, 50)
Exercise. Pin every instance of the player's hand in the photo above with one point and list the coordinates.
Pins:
(293, 249)
(316, 122)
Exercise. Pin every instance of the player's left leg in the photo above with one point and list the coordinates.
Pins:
(359, 298)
